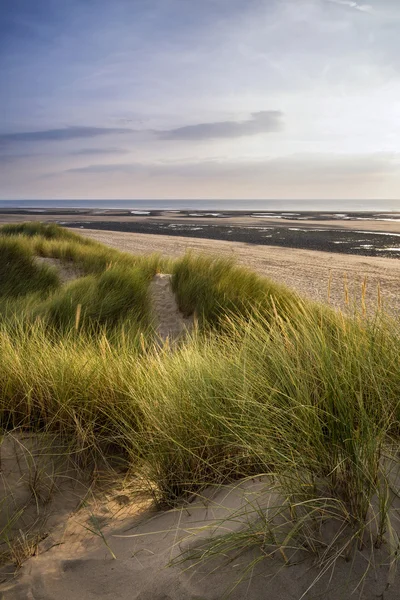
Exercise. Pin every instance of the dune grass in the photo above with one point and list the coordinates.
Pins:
(48, 231)
(113, 293)
(214, 288)
(267, 384)
(19, 275)
(117, 295)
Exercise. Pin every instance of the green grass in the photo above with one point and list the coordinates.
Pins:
(118, 295)
(113, 293)
(47, 231)
(268, 383)
(19, 274)
(212, 288)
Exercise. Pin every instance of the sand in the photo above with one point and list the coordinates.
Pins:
(170, 322)
(310, 272)
(144, 546)
(39, 490)
(47, 502)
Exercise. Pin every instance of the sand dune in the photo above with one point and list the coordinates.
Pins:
(143, 543)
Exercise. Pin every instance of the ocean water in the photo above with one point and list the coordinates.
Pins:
(220, 205)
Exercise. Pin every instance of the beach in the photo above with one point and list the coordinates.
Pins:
(200, 300)
(362, 234)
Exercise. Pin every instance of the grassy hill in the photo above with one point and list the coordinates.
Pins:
(266, 383)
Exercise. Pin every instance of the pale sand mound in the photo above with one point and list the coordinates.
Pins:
(38, 491)
(145, 548)
(45, 501)
(66, 271)
(170, 322)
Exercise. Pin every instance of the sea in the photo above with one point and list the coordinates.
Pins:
(209, 204)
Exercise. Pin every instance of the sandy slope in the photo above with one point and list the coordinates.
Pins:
(307, 271)
(144, 548)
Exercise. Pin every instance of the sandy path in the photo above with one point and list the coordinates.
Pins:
(170, 321)
(307, 271)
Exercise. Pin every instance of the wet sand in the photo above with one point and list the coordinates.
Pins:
(364, 234)
(385, 222)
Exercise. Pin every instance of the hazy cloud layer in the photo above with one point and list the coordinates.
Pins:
(92, 151)
(295, 169)
(10, 158)
(63, 134)
(301, 176)
(260, 122)
(357, 6)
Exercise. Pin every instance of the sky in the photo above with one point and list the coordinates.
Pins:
(200, 99)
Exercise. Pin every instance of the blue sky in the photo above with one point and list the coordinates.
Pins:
(210, 99)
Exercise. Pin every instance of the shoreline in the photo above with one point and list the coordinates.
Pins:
(342, 241)
(363, 234)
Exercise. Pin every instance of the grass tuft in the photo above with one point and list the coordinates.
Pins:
(19, 274)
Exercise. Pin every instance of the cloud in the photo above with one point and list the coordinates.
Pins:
(62, 134)
(90, 151)
(260, 122)
(11, 158)
(295, 169)
(112, 168)
(317, 175)
(266, 121)
(361, 7)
